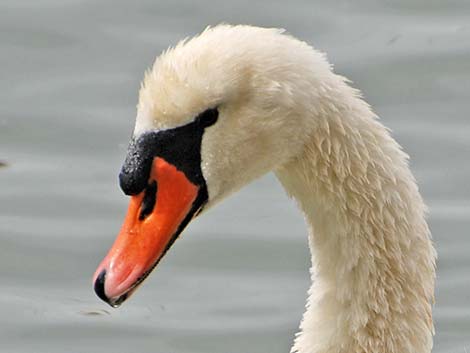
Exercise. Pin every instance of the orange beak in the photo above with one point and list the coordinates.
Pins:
(154, 219)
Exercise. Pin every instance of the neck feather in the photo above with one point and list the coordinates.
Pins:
(372, 258)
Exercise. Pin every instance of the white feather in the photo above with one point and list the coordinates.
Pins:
(282, 109)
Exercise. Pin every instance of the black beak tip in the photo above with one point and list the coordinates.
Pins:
(99, 287)
(99, 290)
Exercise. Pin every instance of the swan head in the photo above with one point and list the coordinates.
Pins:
(215, 112)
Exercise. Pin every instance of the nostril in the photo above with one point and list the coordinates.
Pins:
(99, 286)
(148, 202)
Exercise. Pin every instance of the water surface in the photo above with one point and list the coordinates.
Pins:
(236, 280)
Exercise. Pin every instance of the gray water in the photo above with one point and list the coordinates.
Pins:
(236, 281)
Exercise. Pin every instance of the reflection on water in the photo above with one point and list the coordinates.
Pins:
(236, 281)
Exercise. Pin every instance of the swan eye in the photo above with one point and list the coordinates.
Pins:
(208, 117)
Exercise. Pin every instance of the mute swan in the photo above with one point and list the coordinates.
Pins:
(227, 106)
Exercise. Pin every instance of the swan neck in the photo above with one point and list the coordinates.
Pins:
(372, 258)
